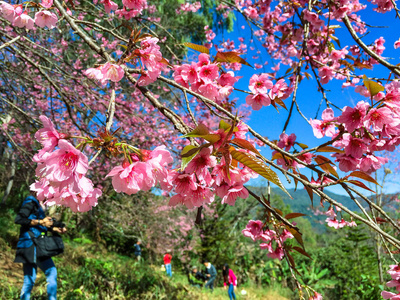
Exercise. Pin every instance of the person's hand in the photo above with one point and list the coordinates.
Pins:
(60, 230)
(234, 287)
(224, 287)
(208, 275)
(46, 222)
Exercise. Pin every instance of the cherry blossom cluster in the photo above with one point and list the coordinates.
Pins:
(264, 91)
(20, 18)
(189, 7)
(205, 176)
(255, 230)
(394, 272)
(364, 129)
(286, 142)
(105, 72)
(149, 56)
(130, 9)
(333, 222)
(204, 78)
(143, 171)
(61, 172)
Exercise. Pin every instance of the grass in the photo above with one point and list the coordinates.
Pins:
(88, 271)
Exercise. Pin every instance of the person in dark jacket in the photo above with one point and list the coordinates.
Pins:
(34, 222)
(196, 278)
(138, 251)
(211, 274)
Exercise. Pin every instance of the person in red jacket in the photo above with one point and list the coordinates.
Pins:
(167, 263)
(230, 281)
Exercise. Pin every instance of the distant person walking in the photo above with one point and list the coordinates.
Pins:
(138, 251)
(211, 274)
(34, 223)
(167, 263)
(230, 281)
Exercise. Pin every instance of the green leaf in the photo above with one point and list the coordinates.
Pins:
(372, 86)
(199, 131)
(199, 48)
(223, 125)
(188, 153)
(212, 138)
(259, 167)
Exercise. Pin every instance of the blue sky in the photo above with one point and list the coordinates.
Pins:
(270, 124)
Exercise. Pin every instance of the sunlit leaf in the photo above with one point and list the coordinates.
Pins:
(372, 86)
(259, 167)
(200, 130)
(192, 151)
(364, 176)
(360, 184)
(223, 125)
(329, 149)
(199, 48)
(294, 215)
(297, 235)
(212, 138)
(303, 146)
(280, 102)
(231, 57)
(123, 46)
(245, 144)
(361, 65)
(277, 155)
(325, 164)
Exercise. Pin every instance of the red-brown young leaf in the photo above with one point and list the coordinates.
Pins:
(379, 220)
(325, 164)
(277, 155)
(230, 57)
(280, 102)
(360, 184)
(245, 145)
(308, 189)
(199, 48)
(297, 235)
(291, 260)
(165, 62)
(294, 215)
(301, 251)
(364, 176)
(278, 211)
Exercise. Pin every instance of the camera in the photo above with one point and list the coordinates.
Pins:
(57, 223)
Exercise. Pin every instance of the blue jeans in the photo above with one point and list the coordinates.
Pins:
(30, 270)
(210, 283)
(168, 269)
(231, 292)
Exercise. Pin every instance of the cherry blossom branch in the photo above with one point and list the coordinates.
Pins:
(393, 68)
(10, 42)
(189, 109)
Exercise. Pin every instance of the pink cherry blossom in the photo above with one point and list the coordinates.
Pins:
(63, 163)
(46, 3)
(353, 118)
(257, 101)
(389, 295)
(325, 127)
(46, 18)
(7, 11)
(24, 20)
(112, 72)
(253, 229)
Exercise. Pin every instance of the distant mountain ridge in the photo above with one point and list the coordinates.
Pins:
(301, 203)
